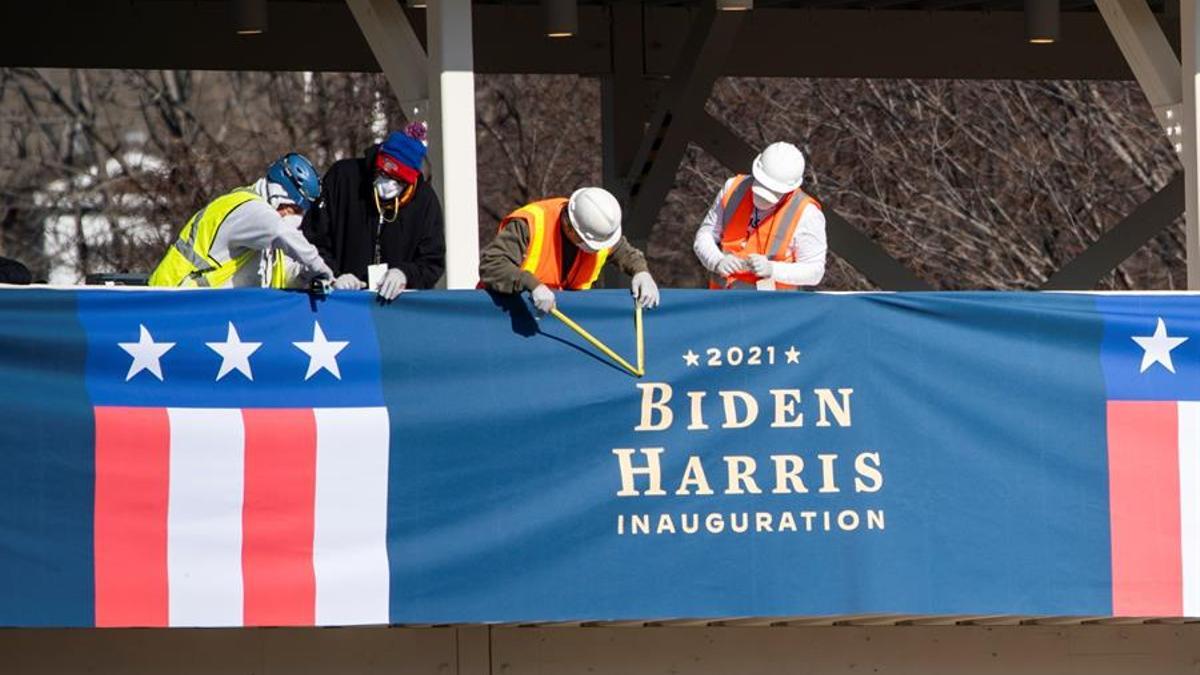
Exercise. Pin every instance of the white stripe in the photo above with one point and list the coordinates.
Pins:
(204, 517)
(350, 539)
(1189, 504)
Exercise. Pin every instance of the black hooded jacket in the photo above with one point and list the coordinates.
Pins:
(13, 272)
(344, 224)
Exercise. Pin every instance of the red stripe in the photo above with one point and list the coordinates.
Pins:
(133, 450)
(277, 518)
(1143, 479)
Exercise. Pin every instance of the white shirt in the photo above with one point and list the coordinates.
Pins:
(807, 247)
(257, 226)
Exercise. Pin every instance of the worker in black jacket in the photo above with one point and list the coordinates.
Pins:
(379, 221)
(13, 272)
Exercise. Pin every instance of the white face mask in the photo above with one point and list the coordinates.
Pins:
(763, 204)
(764, 199)
(387, 188)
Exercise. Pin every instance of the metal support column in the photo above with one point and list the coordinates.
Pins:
(452, 135)
(1190, 43)
(710, 39)
(623, 109)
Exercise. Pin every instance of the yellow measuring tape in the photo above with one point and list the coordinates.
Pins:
(595, 342)
(641, 345)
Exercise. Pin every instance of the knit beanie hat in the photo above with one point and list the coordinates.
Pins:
(400, 157)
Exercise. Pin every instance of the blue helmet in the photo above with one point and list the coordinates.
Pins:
(297, 176)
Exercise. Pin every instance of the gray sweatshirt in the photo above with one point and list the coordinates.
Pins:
(256, 226)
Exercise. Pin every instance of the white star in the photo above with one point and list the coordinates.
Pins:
(146, 353)
(322, 353)
(793, 355)
(235, 354)
(691, 358)
(1158, 347)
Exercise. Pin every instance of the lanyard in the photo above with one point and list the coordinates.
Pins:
(755, 218)
(378, 240)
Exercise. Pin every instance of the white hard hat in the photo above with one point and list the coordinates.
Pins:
(595, 215)
(777, 170)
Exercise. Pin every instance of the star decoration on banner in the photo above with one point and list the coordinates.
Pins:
(235, 354)
(792, 354)
(322, 353)
(691, 358)
(1157, 348)
(146, 354)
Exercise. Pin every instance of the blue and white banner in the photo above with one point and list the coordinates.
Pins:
(252, 457)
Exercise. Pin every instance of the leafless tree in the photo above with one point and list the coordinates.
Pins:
(970, 184)
(539, 137)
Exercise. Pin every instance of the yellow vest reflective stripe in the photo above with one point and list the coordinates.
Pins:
(278, 269)
(188, 262)
(535, 215)
(543, 258)
(601, 258)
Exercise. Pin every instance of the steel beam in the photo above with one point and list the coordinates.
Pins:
(653, 169)
(399, 53)
(1149, 54)
(1145, 222)
(878, 43)
(623, 109)
(848, 43)
(856, 248)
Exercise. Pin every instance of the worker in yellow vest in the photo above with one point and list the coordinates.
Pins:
(245, 237)
(562, 243)
(763, 231)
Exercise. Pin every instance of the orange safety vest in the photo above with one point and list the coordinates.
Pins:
(544, 257)
(772, 237)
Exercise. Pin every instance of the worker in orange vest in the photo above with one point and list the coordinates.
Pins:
(763, 231)
(562, 243)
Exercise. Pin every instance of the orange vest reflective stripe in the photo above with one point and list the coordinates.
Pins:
(772, 237)
(544, 257)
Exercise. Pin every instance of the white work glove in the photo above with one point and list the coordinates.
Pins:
(543, 299)
(761, 267)
(393, 282)
(348, 282)
(645, 291)
(730, 264)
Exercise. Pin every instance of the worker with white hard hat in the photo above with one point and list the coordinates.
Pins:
(563, 243)
(763, 231)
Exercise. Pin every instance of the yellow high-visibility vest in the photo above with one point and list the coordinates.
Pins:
(189, 263)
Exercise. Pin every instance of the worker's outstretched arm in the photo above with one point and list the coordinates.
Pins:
(628, 258)
(292, 241)
(256, 226)
(632, 261)
(500, 261)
